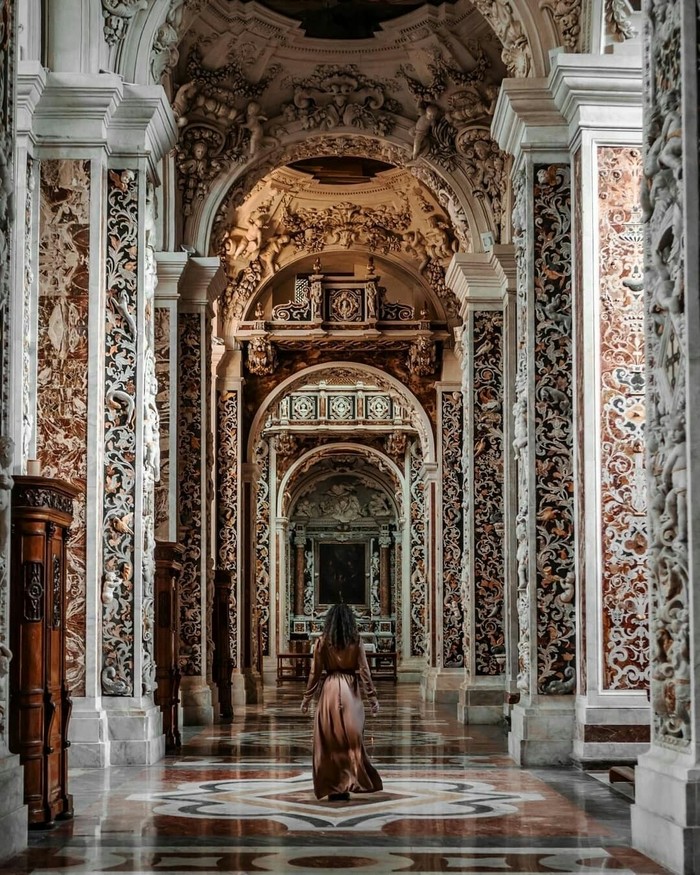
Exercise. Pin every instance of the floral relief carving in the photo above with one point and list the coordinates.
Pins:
(566, 16)
(121, 338)
(162, 329)
(62, 369)
(516, 54)
(263, 534)
(452, 530)
(419, 557)
(553, 430)
(488, 492)
(28, 413)
(191, 499)
(662, 200)
(521, 430)
(228, 500)
(118, 15)
(625, 582)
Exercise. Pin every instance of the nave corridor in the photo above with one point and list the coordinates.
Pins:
(238, 799)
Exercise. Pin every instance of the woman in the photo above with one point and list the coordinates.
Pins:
(340, 762)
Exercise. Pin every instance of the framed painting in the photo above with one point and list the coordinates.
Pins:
(342, 573)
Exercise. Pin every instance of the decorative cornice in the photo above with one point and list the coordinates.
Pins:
(478, 280)
(202, 282)
(170, 267)
(76, 108)
(31, 82)
(526, 118)
(594, 91)
(143, 123)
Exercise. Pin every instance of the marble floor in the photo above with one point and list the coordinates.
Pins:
(238, 799)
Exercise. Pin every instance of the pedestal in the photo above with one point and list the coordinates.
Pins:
(541, 733)
(135, 732)
(13, 811)
(196, 700)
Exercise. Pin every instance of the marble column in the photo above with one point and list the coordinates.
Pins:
(666, 813)
(229, 389)
(528, 125)
(200, 285)
(13, 812)
(385, 601)
(601, 99)
(480, 284)
(299, 569)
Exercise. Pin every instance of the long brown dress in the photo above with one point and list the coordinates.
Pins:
(340, 761)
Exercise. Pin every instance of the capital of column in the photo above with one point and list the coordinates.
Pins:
(527, 119)
(86, 110)
(202, 282)
(170, 266)
(599, 92)
(478, 280)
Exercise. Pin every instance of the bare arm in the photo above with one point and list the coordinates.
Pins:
(366, 677)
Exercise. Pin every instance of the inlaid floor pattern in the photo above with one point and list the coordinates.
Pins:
(238, 799)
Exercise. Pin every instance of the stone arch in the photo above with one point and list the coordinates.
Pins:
(419, 418)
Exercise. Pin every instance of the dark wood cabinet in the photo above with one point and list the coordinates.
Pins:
(167, 643)
(40, 703)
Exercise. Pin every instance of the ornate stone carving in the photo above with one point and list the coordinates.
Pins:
(286, 445)
(452, 530)
(121, 340)
(238, 292)
(488, 492)
(28, 412)
(667, 440)
(262, 356)
(191, 439)
(333, 97)
(617, 20)
(396, 444)
(486, 167)
(516, 54)
(418, 582)
(228, 502)
(566, 16)
(118, 15)
(262, 536)
(422, 356)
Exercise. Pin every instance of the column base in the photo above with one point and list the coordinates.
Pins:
(253, 685)
(88, 732)
(441, 685)
(269, 672)
(135, 732)
(238, 690)
(542, 733)
(411, 669)
(666, 812)
(195, 699)
(13, 811)
(610, 735)
(480, 702)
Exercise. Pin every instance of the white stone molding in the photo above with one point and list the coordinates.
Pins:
(74, 36)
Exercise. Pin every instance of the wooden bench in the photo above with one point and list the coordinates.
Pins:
(296, 666)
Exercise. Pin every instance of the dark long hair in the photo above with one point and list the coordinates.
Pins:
(341, 628)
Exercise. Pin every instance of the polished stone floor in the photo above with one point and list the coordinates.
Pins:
(238, 799)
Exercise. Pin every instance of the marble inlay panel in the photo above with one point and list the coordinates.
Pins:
(120, 418)
(452, 530)
(418, 556)
(191, 499)
(488, 495)
(164, 402)
(228, 501)
(62, 365)
(262, 540)
(623, 411)
(554, 484)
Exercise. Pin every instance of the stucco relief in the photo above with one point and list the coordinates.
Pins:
(164, 403)
(521, 430)
(516, 54)
(262, 541)
(617, 20)
(228, 501)
(488, 493)
(452, 530)
(121, 342)
(118, 15)
(418, 588)
(28, 377)
(625, 585)
(566, 17)
(553, 430)
(191, 499)
(62, 369)
(662, 199)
